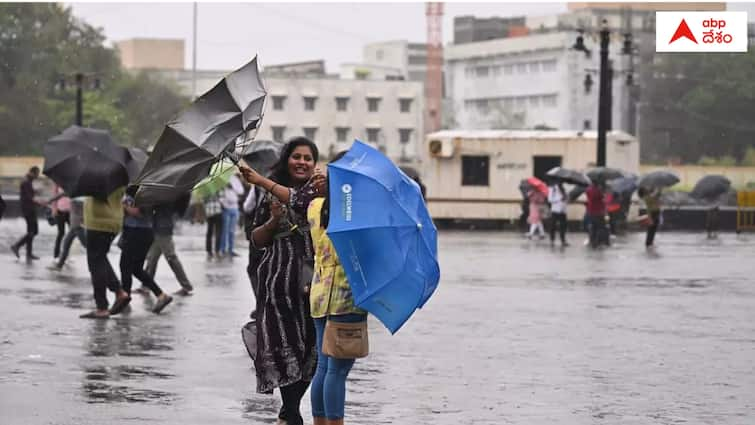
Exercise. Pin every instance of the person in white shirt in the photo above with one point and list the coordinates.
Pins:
(557, 199)
(229, 199)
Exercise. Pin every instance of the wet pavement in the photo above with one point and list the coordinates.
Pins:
(518, 333)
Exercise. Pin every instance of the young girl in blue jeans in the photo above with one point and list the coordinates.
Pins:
(330, 297)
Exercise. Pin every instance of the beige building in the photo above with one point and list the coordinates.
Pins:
(151, 53)
(475, 174)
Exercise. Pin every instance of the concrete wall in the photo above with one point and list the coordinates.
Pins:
(148, 53)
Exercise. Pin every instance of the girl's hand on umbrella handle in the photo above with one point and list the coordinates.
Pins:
(251, 176)
(319, 183)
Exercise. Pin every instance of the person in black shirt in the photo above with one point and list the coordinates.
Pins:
(29, 211)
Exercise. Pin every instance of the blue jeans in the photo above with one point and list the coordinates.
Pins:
(328, 390)
(230, 220)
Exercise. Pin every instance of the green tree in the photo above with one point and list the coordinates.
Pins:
(40, 43)
(700, 105)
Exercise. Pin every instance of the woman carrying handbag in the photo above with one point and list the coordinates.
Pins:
(340, 327)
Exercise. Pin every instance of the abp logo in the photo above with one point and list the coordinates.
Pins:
(701, 32)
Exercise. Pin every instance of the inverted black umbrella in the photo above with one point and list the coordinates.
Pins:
(575, 193)
(658, 179)
(86, 162)
(568, 176)
(201, 135)
(711, 187)
(262, 154)
(137, 161)
(604, 174)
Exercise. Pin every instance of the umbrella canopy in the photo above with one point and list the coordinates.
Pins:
(575, 193)
(86, 162)
(201, 135)
(604, 174)
(538, 185)
(658, 179)
(261, 155)
(711, 187)
(568, 176)
(623, 185)
(383, 233)
(138, 158)
(219, 178)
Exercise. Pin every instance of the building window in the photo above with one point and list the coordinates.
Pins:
(549, 100)
(342, 103)
(405, 105)
(279, 133)
(342, 134)
(534, 67)
(373, 103)
(278, 102)
(549, 65)
(379, 54)
(309, 103)
(508, 69)
(310, 133)
(475, 170)
(534, 101)
(521, 68)
(404, 135)
(482, 71)
(521, 102)
(586, 125)
(373, 134)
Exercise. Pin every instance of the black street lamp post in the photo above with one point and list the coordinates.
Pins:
(79, 80)
(605, 87)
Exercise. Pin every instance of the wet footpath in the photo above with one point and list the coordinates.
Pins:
(517, 333)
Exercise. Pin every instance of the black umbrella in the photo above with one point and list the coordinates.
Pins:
(86, 162)
(262, 154)
(623, 185)
(658, 179)
(576, 193)
(568, 176)
(136, 163)
(604, 174)
(711, 187)
(201, 135)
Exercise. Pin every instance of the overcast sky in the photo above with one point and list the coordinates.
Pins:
(229, 34)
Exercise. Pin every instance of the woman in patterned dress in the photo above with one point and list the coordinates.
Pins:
(286, 357)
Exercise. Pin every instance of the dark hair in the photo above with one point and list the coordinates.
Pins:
(325, 211)
(34, 170)
(279, 171)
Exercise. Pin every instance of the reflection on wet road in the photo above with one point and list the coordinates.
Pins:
(518, 333)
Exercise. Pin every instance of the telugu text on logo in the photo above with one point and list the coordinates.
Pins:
(701, 32)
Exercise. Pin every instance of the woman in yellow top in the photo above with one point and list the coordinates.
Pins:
(330, 297)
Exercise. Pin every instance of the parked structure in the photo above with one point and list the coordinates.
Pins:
(475, 175)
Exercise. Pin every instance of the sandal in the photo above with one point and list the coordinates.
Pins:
(95, 315)
(119, 305)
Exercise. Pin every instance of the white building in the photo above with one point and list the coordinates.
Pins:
(531, 81)
(333, 112)
(409, 58)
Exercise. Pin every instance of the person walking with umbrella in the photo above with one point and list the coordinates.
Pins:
(285, 350)
(596, 212)
(163, 224)
(537, 196)
(103, 219)
(558, 201)
(61, 211)
(213, 211)
(136, 240)
(331, 299)
(29, 203)
(652, 199)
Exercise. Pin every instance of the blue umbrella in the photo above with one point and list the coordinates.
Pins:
(383, 234)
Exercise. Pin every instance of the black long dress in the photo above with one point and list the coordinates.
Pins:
(285, 331)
